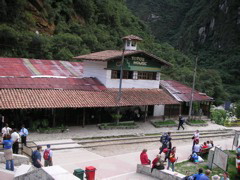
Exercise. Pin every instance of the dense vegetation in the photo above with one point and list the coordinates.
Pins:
(62, 29)
(210, 29)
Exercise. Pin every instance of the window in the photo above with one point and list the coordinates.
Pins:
(126, 74)
(147, 75)
(133, 43)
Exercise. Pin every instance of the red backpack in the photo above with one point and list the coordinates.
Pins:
(46, 154)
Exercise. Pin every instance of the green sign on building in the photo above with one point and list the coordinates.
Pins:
(136, 63)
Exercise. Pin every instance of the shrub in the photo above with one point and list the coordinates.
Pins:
(218, 116)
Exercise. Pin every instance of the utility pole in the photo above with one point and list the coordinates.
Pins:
(120, 87)
(192, 92)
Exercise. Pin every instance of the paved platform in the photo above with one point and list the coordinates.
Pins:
(121, 166)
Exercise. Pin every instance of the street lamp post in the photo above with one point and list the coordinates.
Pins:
(192, 91)
(120, 88)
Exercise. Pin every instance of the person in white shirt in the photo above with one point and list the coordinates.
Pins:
(15, 137)
(6, 131)
(209, 144)
(23, 133)
(197, 147)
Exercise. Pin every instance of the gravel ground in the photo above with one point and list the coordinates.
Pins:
(94, 131)
(114, 150)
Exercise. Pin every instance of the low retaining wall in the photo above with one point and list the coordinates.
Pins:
(46, 173)
(159, 174)
(18, 159)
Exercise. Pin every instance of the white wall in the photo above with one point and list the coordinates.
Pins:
(158, 110)
(95, 69)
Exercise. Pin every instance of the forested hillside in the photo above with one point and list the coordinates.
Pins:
(209, 29)
(62, 29)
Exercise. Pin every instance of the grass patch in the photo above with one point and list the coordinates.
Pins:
(197, 122)
(166, 123)
(120, 125)
(232, 124)
(187, 167)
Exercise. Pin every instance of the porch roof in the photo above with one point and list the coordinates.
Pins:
(182, 93)
(51, 98)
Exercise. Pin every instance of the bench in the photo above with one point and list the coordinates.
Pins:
(204, 151)
(159, 174)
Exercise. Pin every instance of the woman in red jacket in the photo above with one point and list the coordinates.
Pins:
(144, 158)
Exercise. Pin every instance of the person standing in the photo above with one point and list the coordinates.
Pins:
(195, 138)
(164, 140)
(23, 133)
(15, 138)
(206, 175)
(169, 147)
(197, 148)
(5, 131)
(8, 154)
(181, 122)
(47, 156)
(36, 157)
(144, 158)
(172, 159)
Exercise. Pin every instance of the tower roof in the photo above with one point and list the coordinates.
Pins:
(132, 37)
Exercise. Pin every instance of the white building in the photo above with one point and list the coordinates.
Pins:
(140, 69)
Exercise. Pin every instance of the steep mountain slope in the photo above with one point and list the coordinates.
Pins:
(62, 29)
(210, 29)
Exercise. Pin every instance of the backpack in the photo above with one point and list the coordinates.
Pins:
(163, 138)
(46, 155)
(34, 156)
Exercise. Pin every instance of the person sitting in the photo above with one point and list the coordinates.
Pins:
(225, 176)
(157, 163)
(206, 175)
(199, 174)
(144, 158)
(238, 151)
(215, 177)
(195, 157)
(209, 144)
(204, 146)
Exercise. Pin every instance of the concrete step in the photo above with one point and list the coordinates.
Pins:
(149, 136)
(154, 138)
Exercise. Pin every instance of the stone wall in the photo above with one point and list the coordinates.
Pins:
(159, 174)
(18, 159)
(29, 172)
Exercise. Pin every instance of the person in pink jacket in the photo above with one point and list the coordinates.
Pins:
(144, 158)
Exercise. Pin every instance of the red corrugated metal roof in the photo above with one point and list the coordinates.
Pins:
(21, 67)
(86, 84)
(44, 98)
(114, 54)
(182, 92)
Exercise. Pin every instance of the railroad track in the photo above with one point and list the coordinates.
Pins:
(176, 136)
